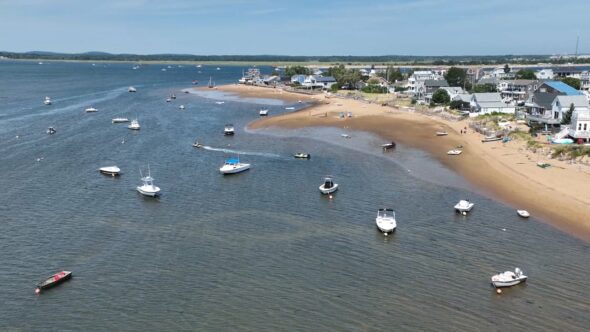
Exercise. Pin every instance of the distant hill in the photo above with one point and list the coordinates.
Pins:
(384, 59)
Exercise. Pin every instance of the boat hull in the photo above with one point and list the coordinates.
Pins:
(386, 226)
(113, 171)
(228, 133)
(326, 191)
(149, 193)
(52, 282)
(508, 283)
(233, 170)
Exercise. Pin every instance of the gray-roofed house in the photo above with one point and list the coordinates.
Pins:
(322, 82)
(491, 102)
(539, 106)
(453, 91)
(432, 85)
(562, 104)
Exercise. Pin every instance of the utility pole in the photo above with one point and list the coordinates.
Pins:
(577, 43)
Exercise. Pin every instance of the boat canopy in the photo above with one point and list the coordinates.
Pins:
(232, 161)
(386, 213)
(147, 179)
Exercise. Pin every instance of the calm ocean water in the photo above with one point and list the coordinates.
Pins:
(259, 251)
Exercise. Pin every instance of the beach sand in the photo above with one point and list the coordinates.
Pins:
(558, 195)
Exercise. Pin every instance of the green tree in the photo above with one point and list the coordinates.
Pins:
(344, 76)
(373, 88)
(573, 82)
(506, 69)
(567, 116)
(488, 87)
(392, 74)
(441, 97)
(456, 76)
(296, 70)
(458, 104)
(526, 74)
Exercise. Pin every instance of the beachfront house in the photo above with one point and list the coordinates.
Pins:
(562, 104)
(416, 80)
(319, 82)
(580, 126)
(453, 91)
(487, 103)
(539, 105)
(298, 79)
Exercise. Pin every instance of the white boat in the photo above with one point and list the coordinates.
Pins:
(91, 110)
(134, 125)
(328, 186)
(181, 107)
(218, 68)
(508, 278)
(132, 89)
(301, 155)
(345, 136)
(148, 188)
(220, 102)
(386, 221)
(51, 131)
(196, 144)
(110, 170)
(229, 129)
(120, 120)
(454, 152)
(168, 100)
(290, 108)
(232, 166)
(523, 213)
(173, 96)
(464, 206)
(263, 112)
(441, 133)
(47, 101)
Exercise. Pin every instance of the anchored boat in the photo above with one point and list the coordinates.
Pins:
(53, 281)
(464, 206)
(232, 166)
(385, 220)
(110, 170)
(508, 278)
(328, 186)
(148, 188)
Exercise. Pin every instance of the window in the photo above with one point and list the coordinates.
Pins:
(556, 115)
(585, 128)
(579, 126)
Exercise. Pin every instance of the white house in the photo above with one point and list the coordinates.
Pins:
(486, 103)
(416, 80)
(580, 126)
(298, 79)
(545, 74)
(323, 82)
(562, 104)
(453, 91)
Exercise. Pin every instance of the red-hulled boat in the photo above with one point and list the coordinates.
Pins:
(54, 280)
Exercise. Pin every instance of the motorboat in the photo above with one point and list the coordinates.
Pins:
(51, 131)
(508, 278)
(345, 136)
(120, 120)
(91, 110)
(181, 107)
(302, 155)
(232, 166)
(454, 152)
(229, 129)
(172, 96)
(134, 125)
(491, 139)
(110, 170)
(290, 108)
(328, 186)
(464, 206)
(47, 101)
(148, 188)
(523, 213)
(53, 281)
(263, 112)
(220, 102)
(441, 133)
(168, 100)
(388, 146)
(386, 221)
(132, 89)
(196, 144)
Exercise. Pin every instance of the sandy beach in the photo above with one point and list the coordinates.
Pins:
(558, 195)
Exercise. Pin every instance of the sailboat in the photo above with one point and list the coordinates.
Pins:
(148, 188)
(210, 83)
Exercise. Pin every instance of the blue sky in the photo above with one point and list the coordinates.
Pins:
(298, 27)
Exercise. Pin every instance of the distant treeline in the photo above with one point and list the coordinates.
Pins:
(402, 59)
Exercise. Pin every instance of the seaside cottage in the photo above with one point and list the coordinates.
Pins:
(298, 79)
(517, 90)
(453, 91)
(580, 126)
(487, 103)
(319, 82)
(540, 105)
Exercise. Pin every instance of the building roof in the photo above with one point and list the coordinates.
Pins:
(543, 99)
(464, 97)
(324, 78)
(435, 83)
(578, 101)
(488, 80)
(520, 82)
(489, 97)
(453, 89)
(563, 88)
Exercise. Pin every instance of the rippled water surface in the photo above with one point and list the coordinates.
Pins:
(262, 250)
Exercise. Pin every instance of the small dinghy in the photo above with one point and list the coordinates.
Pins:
(110, 170)
(53, 281)
(386, 221)
(454, 152)
(120, 120)
(132, 89)
(47, 101)
(232, 166)
(328, 186)
(464, 206)
(168, 100)
(388, 146)
(301, 155)
(523, 213)
(51, 131)
(196, 144)
(508, 278)
(263, 112)
(229, 129)
(134, 125)
(91, 110)
(173, 96)
(345, 136)
(441, 133)
(181, 107)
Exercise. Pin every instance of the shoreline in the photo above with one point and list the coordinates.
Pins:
(558, 196)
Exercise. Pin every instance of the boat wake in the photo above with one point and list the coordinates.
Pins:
(245, 153)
